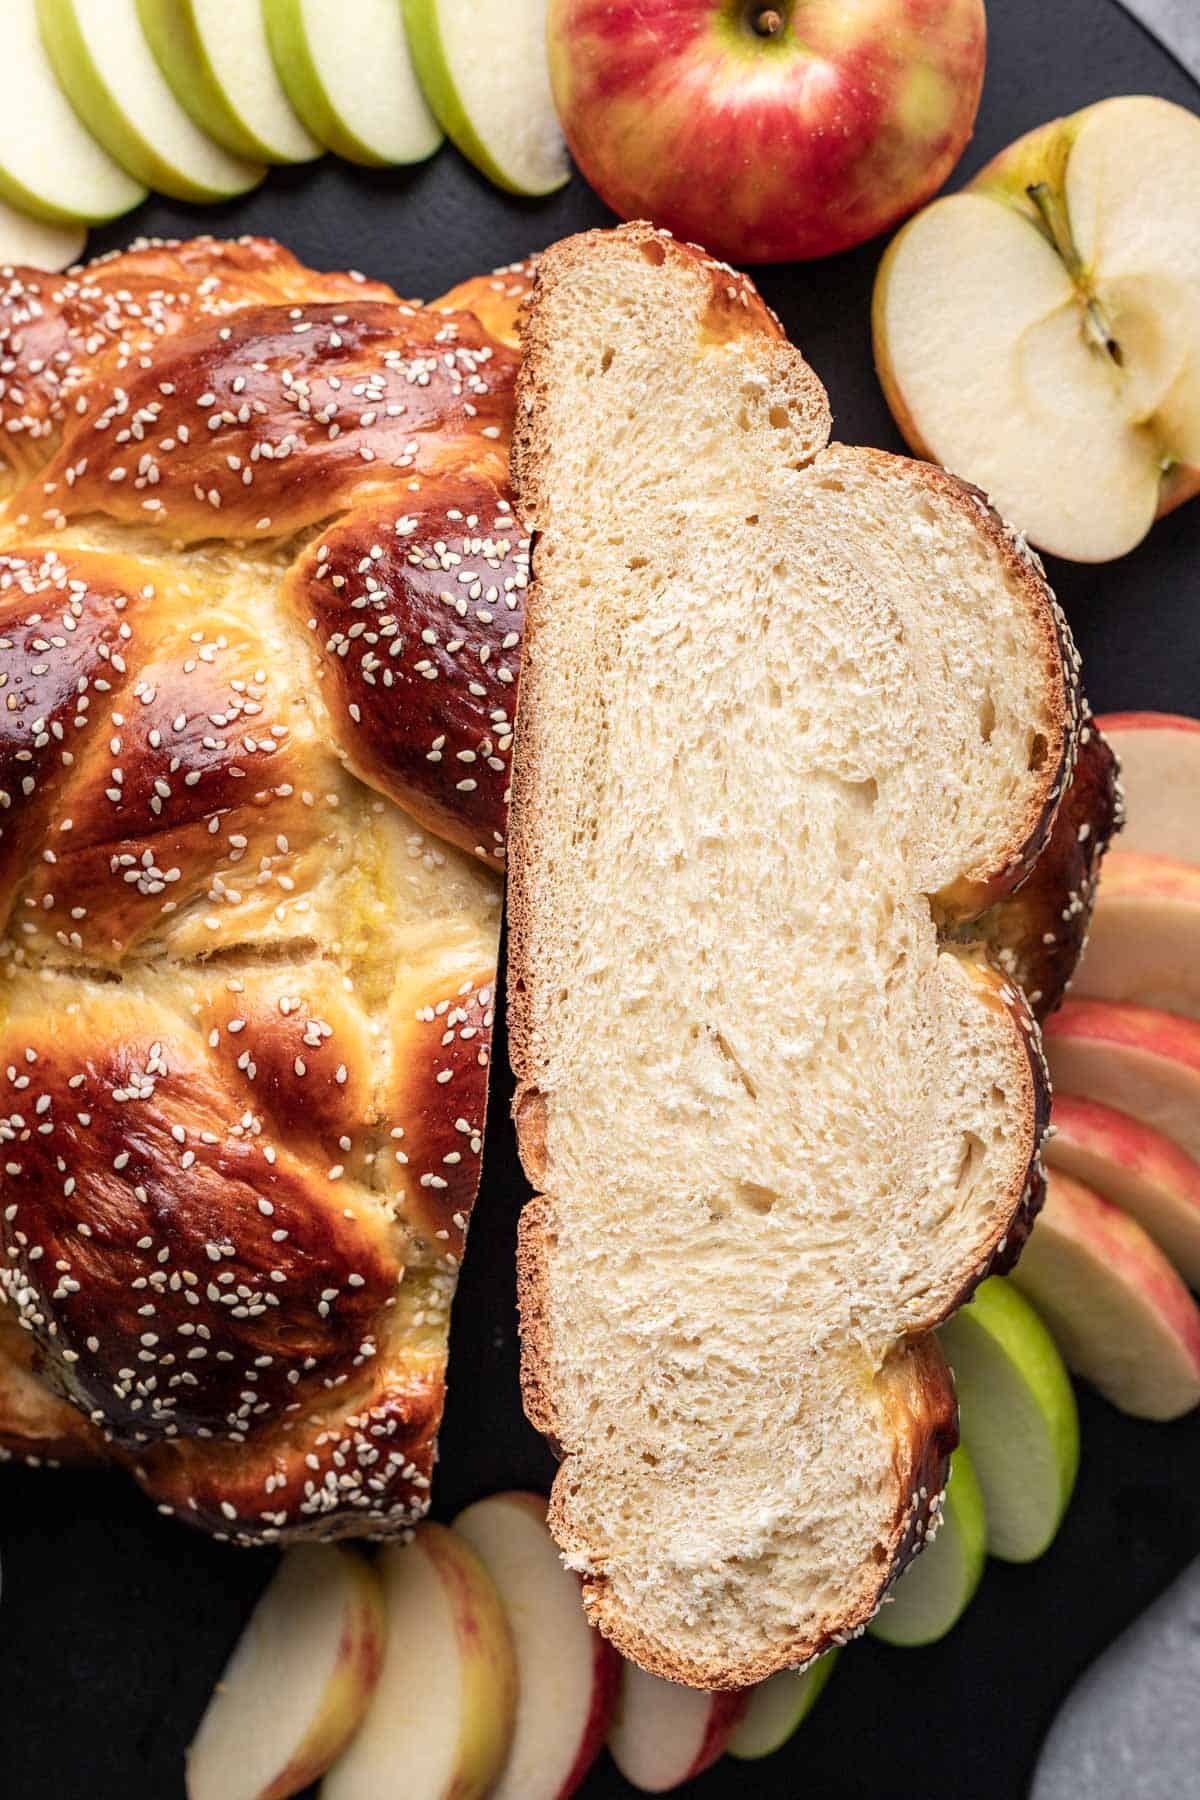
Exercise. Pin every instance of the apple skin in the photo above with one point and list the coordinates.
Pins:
(489, 1669)
(1135, 1167)
(1144, 939)
(1134, 1058)
(653, 1701)
(767, 148)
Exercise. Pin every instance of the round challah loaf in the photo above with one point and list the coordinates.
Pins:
(260, 603)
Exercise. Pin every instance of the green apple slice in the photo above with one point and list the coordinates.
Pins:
(482, 64)
(36, 243)
(219, 65)
(348, 72)
(934, 1591)
(50, 166)
(1017, 1417)
(107, 70)
(778, 1707)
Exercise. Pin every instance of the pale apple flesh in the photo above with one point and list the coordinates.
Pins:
(1135, 1167)
(567, 1673)
(663, 1735)
(778, 1707)
(36, 244)
(1118, 1311)
(934, 1591)
(1039, 334)
(1160, 776)
(298, 1683)
(441, 1719)
(1017, 1416)
(1141, 1061)
(766, 132)
(1144, 938)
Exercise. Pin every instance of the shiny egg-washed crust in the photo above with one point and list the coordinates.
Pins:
(917, 1388)
(261, 593)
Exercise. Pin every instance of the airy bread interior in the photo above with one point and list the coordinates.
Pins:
(777, 705)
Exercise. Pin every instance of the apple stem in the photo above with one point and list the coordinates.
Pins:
(1054, 223)
(768, 22)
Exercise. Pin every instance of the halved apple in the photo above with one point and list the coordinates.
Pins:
(36, 243)
(778, 1707)
(1039, 333)
(50, 165)
(1017, 1416)
(218, 62)
(1144, 939)
(663, 1735)
(1160, 775)
(347, 70)
(1117, 1310)
(1135, 1167)
(934, 1591)
(567, 1674)
(1142, 1062)
(482, 64)
(107, 70)
(298, 1683)
(441, 1720)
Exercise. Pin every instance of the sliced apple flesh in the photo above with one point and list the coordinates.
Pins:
(1117, 1310)
(1144, 939)
(934, 1591)
(50, 164)
(218, 62)
(567, 1674)
(778, 1707)
(34, 243)
(1135, 1167)
(1135, 1058)
(107, 70)
(663, 1735)
(1160, 776)
(441, 1720)
(1017, 1416)
(484, 70)
(1039, 333)
(298, 1683)
(348, 72)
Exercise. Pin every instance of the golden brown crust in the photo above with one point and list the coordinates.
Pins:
(919, 1391)
(248, 1000)
(497, 300)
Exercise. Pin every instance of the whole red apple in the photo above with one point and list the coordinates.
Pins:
(767, 132)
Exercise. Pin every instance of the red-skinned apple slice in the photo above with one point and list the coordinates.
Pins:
(297, 1685)
(1142, 1062)
(567, 1674)
(663, 1735)
(1160, 773)
(441, 1720)
(1117, 1310)
(1135, 1167)
(1144, 939)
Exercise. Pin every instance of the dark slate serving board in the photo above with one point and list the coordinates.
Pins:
(114, 1623)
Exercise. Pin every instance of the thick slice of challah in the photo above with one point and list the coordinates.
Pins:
(261, 587)
(792, 717)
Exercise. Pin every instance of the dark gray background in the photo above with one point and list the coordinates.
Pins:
(114, 1623)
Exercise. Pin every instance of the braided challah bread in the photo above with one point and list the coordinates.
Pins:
(260, 601)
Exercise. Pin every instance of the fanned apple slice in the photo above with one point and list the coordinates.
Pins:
(50, 165)
(1039, 333)
(37, 243)
(778, 1707)
(1135, 1167)
(567, 1674)
(663, 1734)
(1018, 1417)
(1144, 939)
(1160, 776)
(482, 64)
(935, 1590)
(298, 1683)
(219, 65)
(348, 72)
(1117, 1310)
(1135, 1058)
(107, 70)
